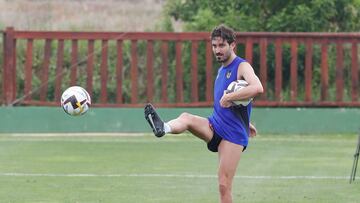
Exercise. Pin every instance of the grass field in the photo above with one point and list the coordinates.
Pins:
(275, 168)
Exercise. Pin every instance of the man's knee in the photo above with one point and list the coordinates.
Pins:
(223, 188)
(224, 184)
(185, 116)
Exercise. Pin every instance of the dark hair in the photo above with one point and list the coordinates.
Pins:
(224, 32)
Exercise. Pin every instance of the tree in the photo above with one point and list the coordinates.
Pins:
(271, 16)
(267, 15)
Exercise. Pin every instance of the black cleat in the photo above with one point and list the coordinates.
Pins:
(154, 120)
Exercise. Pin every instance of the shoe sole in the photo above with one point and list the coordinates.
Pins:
(149, 114)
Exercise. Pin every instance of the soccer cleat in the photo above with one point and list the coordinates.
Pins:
(154, 120)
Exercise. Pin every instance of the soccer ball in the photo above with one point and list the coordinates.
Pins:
(236, 86)
(75, 101)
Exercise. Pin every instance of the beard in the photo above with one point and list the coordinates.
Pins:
(221, 58)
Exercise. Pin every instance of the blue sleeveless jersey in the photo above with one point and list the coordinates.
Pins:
(232, 123)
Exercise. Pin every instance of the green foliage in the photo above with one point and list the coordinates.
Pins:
(275, 16)
(267, 15)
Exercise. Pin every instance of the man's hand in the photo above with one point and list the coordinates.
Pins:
(253, 130)
(224, 101)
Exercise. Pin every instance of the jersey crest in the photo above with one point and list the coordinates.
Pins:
(228, 74)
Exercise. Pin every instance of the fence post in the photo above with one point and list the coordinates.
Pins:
(9, 66)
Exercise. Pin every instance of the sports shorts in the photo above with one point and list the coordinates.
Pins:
(214, 143)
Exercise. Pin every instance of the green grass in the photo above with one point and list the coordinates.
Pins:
(275, 168)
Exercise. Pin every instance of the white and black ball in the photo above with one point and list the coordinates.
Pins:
(236, 86)
(75, 101)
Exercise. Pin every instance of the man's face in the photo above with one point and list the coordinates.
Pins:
(222, 49)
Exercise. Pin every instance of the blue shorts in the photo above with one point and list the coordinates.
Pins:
(214, 143)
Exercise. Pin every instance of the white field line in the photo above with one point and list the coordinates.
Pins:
(99, 134)
(172, 176)
(55, 136)
(149, 134)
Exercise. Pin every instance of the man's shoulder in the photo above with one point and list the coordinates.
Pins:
(241, 60)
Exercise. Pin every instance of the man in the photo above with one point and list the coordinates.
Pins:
(227, 130)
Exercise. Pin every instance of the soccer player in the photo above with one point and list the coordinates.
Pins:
(228, 129)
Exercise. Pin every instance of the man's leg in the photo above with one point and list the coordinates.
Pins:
(229, 156)
(197, 125)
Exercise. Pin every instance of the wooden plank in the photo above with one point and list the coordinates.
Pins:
(300, 40)
(324, 71)
(178, 36)
(354, 71)
(112, 35)
(308, 70)
(209, 72)
(194, 72)
(90, 67)
(59, 69)
(45, 70)
(14, 72)
(299, 35)
(119, 70)
(278, 70)
(134, 72)
(164, 71)
(150, 71)
(104, 71)
(125, 105)
(9, 66)
(306, 104)
(249, 50)
(209, 104)
(293, 71)
(179, 73)
(339, 74)
(263, 67)
(28, 69)
(3, 99)
(74, 62)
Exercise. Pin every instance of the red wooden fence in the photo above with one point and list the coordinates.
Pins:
(340, 77)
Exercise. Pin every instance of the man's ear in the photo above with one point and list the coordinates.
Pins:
(233, 45)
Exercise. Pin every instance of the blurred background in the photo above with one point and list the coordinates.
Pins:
(127, 53)
(88, 15)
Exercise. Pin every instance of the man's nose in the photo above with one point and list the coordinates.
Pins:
(217, 50)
